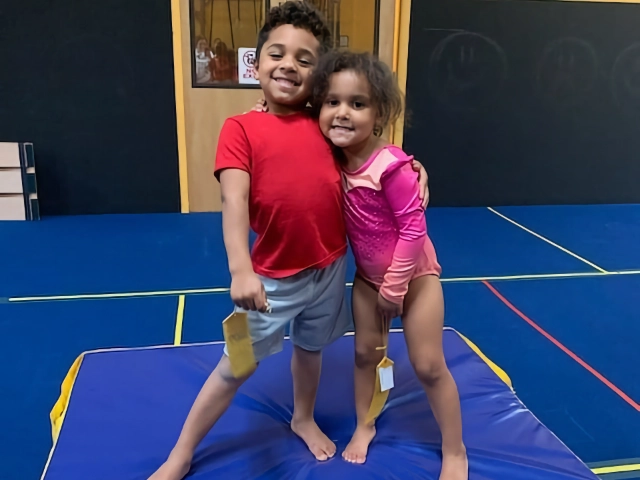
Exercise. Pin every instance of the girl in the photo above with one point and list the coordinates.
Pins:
(397, 270)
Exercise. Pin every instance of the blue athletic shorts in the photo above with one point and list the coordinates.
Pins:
(312, 302)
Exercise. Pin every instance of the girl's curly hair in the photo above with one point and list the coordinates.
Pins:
(300, 14)
(383, 88)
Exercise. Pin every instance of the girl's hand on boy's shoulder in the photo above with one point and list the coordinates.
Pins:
(260, 106)
(423, 181)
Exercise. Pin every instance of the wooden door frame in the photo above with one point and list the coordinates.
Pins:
(392, 37)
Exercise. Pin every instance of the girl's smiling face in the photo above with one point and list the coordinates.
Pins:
(347, 116)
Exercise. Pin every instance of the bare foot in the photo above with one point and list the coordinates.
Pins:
(319, 444)
(455, 467)
(175, 468)
(356, 451)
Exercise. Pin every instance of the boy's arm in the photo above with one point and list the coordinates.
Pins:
(247, 290)
(234, 186)
(423, 181)
(233, 170)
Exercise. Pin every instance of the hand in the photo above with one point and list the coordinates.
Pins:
(388, 310)
(247, 292)
(260, 106)
(423, 180)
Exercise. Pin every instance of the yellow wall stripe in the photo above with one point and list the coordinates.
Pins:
(402, 58)
(180, 109)
(396, 53)
(396, 35)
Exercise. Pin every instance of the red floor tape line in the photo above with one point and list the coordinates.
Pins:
(575, 357)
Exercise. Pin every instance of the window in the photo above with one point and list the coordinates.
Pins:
(224, 35)
(353, 23)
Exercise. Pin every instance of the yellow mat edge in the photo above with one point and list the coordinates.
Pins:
(59, 409)
(496, 369)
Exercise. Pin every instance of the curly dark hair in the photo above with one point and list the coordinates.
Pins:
(383, 88)
(300, 14)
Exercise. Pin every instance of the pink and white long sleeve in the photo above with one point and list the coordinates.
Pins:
(386, 224)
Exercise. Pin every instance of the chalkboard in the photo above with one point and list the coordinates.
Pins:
(518, 102)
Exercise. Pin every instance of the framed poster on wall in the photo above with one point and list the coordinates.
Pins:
(246, 63)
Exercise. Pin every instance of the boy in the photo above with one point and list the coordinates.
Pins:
(278, 176)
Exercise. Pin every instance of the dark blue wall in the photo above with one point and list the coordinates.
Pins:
(525, 102)
(91, 85)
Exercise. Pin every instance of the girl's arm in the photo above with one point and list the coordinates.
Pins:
(402, 192)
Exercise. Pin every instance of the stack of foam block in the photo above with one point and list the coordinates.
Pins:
(18, 195)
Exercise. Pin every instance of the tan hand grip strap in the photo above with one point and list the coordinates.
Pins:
(379, 398)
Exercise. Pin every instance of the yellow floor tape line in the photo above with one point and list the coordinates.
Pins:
(616, 469)
(177, 338)
(218, 290)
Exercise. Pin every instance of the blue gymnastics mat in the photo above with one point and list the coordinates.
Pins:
(126, 407)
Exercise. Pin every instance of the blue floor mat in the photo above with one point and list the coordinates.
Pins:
(73, 255)
(594, 317)
(112, 253)
(590, 418)
(127, 408)
(474, 242)
(40, 341)
(131, 253)
(203, 316)
(607, 235)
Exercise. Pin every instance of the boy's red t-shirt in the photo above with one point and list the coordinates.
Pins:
(295, 203)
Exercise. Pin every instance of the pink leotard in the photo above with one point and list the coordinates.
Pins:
(386, 224)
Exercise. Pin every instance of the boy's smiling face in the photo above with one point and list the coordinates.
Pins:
(285, 66)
